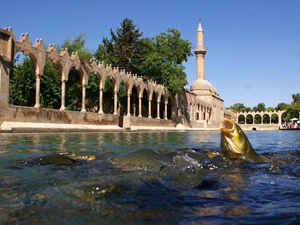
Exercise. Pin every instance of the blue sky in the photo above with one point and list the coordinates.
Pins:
(253, 46)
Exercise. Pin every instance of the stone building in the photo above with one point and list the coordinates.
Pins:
(199, 107)
(204, 106)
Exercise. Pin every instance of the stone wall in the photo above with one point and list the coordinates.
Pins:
(259, 126)
(41, 115)
(142, 121)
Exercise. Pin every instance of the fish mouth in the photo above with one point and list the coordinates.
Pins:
(227, 125)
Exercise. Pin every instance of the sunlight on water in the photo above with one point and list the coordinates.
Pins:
(163, 177)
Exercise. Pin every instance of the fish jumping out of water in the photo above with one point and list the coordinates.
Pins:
(235, 144)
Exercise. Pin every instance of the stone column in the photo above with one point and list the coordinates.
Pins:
(192, 112)
(134, 109)
(158, 109)
(140, 106)
(166, 110)
(83, 98)
(63, 95)
(115, 103)
(149, 108)
(128, 104)
(100, 111)
(279, 119)
(37, 91)
(7, 48)
(4, 85)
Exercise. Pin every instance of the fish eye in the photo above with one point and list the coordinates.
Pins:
(240, 131)
(113, 159)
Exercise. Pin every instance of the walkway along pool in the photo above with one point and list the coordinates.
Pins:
(176, 185)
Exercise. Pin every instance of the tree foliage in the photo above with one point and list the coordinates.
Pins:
(281, 106)
(124, 49)
(22, 83)
(159, 59)
(296, 98)
(164, 57)
(239, 107)
(261, 107)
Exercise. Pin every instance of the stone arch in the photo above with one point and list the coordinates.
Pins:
(266, 119)
(92, 93)
(204, 117)
(145, 103)
(122, 98)
(274, 118)
(257, 119)
(74, 87)
(197, 111)
(36, 53)
(249, 119)
(162, 107)
(108, 94)
(22, 78)
(241, 119)
(134, 101)
(154, 105)
(51, 85)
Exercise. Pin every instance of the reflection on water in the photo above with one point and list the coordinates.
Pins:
(175, 184)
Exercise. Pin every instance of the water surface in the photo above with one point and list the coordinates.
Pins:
(181, 191)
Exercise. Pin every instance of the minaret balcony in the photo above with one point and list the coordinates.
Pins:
(200, 50)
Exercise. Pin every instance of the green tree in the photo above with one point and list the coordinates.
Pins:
(296, 98)
(165, 55)
(159, 59)
(261, 107)
(22, 83)
(281, 106)
(50, 87)
(77, 45)
(124, 49)
(239, 107)
(292, 111)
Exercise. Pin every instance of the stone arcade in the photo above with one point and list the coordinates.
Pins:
(201, 107)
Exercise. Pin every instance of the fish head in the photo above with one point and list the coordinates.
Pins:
(234, 142)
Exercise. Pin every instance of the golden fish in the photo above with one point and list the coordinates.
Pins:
(235, 144)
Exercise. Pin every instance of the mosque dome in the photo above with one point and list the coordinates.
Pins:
(203, 86)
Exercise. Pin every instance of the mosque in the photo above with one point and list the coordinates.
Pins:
(205, 107)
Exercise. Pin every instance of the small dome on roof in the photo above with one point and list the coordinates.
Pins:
(203, 85)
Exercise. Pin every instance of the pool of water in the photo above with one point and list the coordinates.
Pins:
(181, 190)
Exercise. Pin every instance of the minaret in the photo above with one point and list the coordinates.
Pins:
(200, 52)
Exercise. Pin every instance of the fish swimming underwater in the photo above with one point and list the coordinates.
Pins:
(235, 144)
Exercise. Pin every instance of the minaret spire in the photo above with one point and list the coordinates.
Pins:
(200, 52)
